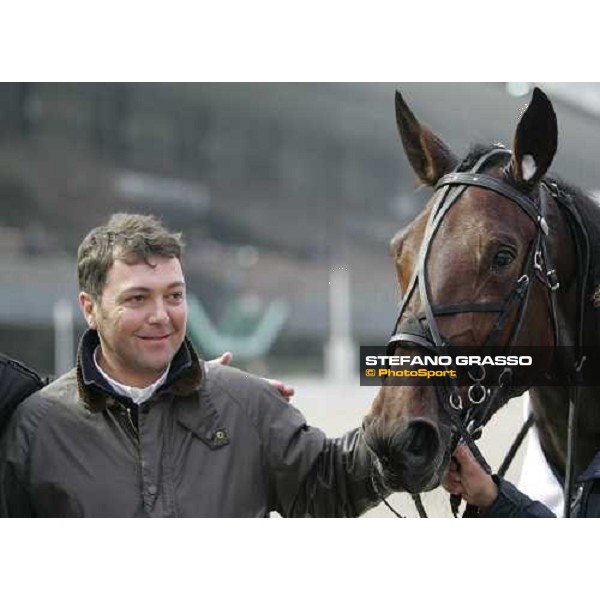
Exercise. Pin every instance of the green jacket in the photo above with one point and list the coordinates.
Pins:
(211, 442)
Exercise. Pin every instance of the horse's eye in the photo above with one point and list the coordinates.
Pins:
(502, 259)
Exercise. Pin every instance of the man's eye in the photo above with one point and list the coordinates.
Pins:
(137, 298)
(177, 296)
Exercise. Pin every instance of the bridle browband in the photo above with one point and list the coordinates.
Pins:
(421, 329)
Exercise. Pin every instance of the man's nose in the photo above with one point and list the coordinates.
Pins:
(159, 312)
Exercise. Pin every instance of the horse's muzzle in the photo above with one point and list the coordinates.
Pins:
(410, 458)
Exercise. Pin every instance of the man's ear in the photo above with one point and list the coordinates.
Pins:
(88, 308)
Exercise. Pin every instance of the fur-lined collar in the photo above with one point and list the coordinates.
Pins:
(186, 375)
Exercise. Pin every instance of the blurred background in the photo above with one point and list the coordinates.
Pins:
(287, 194)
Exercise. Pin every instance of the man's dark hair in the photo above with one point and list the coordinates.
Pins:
(132, 238)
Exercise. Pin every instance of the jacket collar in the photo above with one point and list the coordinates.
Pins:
(185, 376)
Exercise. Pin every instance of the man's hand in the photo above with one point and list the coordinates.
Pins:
(465, 477)
(285, 390)
(224, 359)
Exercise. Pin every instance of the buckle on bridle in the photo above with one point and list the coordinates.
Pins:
(474, 432)
(505, 378)
(480, 390)
(537, 261)
(455, 401)
(552, 280)
(477, 378)
(551, 277)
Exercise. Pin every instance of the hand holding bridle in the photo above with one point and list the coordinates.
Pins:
(465, 477)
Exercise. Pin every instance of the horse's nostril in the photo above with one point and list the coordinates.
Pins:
(419, 441)
(422, 438)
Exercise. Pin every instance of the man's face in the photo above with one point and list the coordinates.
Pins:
(140, 319)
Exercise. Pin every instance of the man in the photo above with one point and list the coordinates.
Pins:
(143, 427)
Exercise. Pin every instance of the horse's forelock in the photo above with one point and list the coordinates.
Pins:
(479, 150)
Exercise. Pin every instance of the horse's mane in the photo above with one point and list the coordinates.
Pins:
(589, 209)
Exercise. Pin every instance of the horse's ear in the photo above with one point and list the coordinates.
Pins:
(535, 141)
(429, 157)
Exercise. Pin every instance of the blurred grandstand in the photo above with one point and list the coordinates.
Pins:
(273, 185)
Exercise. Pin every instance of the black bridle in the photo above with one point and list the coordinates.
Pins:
(421, 329)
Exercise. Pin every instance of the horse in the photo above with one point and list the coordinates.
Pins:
(503, 253)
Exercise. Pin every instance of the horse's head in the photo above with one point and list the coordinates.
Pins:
(474, 269)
